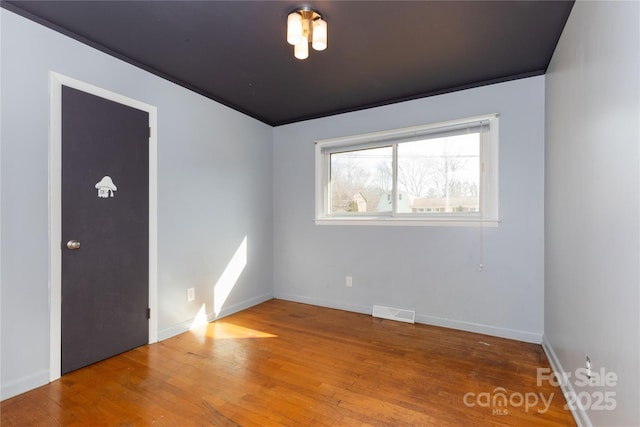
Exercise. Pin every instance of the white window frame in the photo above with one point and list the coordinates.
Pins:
(488, 215)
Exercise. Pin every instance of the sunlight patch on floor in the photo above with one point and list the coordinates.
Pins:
(226, 330)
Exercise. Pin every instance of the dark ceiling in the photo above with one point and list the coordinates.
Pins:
(380, 52)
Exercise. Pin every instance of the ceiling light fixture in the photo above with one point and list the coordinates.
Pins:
(305, 25)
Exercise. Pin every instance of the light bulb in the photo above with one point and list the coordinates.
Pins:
(301, 50)
(319, 34)
(294, 28)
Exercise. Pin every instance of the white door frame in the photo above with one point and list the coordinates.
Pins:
(56, 81)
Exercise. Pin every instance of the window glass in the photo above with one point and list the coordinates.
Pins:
(440, 174)
(360, 180)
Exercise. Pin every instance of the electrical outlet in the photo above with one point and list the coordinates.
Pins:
(191, 294)
(349, 282)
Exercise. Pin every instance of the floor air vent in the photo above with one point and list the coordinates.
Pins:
(394, 314)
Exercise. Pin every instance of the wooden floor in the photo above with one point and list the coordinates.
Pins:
(283, 363)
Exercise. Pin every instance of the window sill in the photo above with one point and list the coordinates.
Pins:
(422, 222)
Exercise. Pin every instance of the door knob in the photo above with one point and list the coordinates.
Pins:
(73, 245)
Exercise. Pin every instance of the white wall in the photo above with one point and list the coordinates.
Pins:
(432, 270)
(214, 188)
(592, 242)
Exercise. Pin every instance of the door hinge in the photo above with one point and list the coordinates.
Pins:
(149, 131)
(148, 313)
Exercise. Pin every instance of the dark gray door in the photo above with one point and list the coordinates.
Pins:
(105, 228)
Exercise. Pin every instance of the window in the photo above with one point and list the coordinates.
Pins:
(438, 174)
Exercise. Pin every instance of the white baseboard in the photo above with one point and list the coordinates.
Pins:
(323, 303)
(24, 384)
(479, 328)
(579, 414)
(174, 330)
(243, 305)
(226, 311)
(532, 337)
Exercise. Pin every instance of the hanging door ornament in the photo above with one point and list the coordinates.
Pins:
(106, 187)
